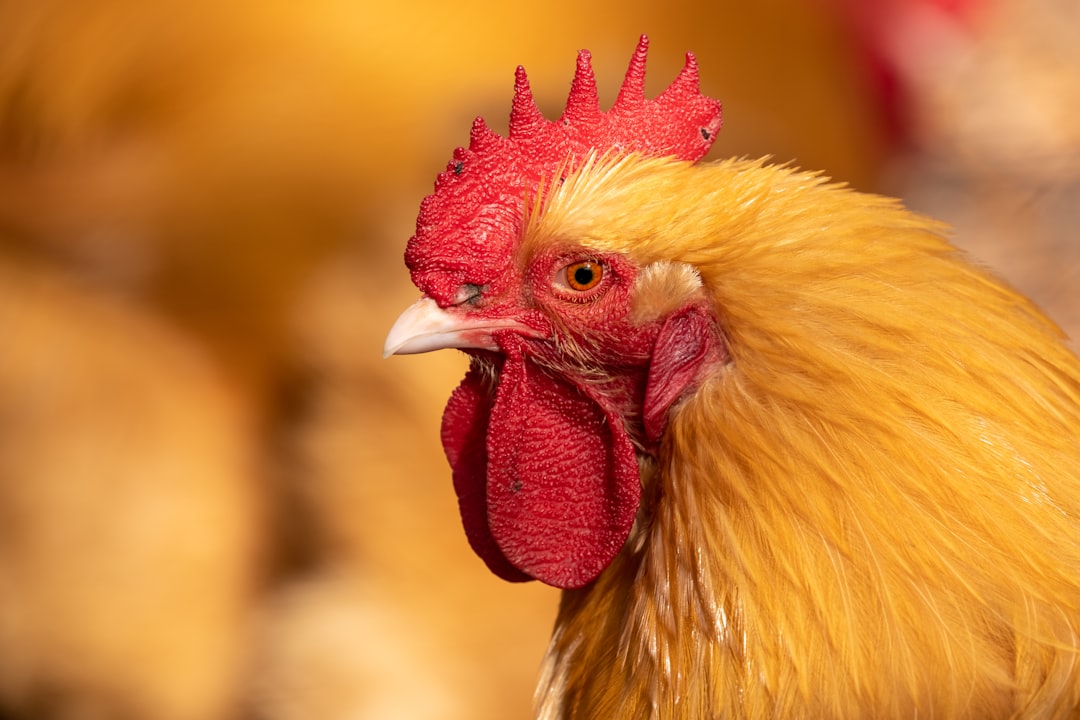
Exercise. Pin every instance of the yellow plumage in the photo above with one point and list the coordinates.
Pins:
(873, 510)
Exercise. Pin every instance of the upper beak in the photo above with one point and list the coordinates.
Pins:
(424, 327)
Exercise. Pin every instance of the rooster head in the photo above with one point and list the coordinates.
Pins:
(577, 354)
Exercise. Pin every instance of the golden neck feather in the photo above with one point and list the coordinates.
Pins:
(875, 508)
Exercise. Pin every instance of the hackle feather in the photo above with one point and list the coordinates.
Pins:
(871, 510)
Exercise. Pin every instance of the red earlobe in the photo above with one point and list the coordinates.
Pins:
(687, 341)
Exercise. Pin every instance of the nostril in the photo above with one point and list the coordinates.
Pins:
(468, 294)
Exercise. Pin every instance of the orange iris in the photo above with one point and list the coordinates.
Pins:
(584, 275)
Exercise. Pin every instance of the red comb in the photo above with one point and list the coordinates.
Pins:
(680, 122)
(466, 228)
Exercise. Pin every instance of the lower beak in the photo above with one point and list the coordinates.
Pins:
(424, 327)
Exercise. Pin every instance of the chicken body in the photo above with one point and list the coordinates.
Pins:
(871, 509)
(857, 455)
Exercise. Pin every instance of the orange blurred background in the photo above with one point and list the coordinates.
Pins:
(217, 501)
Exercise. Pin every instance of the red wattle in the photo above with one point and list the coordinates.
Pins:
(562, 478)
(547, 480)
(464, 438)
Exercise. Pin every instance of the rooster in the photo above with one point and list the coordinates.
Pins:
(786, 451)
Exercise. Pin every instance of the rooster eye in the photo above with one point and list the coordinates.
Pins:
(584, 275)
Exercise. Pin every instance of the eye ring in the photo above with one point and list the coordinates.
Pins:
(584, 275)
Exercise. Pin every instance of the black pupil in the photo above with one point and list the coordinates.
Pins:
(583, 275)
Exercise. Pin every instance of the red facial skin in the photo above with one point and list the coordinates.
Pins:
(545, 457)
(543, 436)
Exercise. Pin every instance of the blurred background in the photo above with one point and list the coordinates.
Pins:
(217, 501)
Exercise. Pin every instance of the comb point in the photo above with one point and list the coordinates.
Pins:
(483, 139)
(686, 84)
(632, 91)
(583, 104)
(525, 116)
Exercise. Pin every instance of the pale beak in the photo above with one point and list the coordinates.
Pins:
(424, 327)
